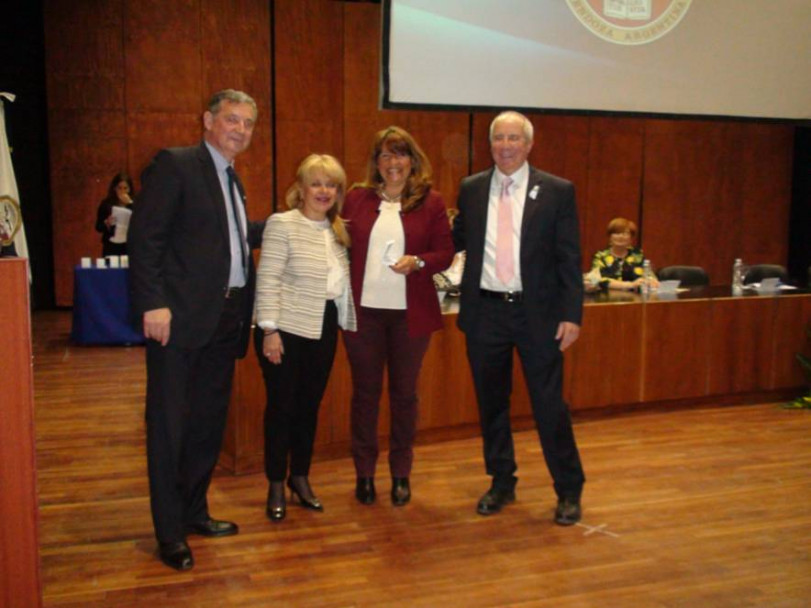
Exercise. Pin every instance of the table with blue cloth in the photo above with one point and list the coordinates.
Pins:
(101, 307)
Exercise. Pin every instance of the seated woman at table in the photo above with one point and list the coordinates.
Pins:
(619, 266)
(119, 195)
(303, 294)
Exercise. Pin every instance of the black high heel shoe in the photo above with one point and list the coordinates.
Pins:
(300, 487)
(277, 505)
(365, 490)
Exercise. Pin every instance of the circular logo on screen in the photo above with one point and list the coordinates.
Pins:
(629, 21)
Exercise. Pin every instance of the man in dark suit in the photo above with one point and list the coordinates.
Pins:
(521, 288)
(192, 281)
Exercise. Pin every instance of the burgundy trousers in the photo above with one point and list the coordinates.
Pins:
(382, 342)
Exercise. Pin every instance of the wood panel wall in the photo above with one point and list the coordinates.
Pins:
(127, 77)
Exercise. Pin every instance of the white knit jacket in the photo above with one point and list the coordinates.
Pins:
(291, 280)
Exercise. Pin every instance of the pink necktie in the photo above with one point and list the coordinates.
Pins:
(505, 269)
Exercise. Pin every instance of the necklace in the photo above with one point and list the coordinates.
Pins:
(389, 199)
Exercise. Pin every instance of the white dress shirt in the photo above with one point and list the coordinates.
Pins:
(237, 276)
(518, 194)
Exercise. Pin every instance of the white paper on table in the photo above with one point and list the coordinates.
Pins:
(121, 219)
(767, 285)
(668, 286)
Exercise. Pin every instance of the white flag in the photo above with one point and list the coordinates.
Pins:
(8, 183)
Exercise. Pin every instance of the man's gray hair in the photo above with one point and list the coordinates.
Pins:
(231, 96)
(526, 125)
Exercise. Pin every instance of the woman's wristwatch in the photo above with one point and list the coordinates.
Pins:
(420, 263)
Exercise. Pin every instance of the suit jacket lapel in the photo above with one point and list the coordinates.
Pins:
(482, 198)
(212, 182)
(532, 202)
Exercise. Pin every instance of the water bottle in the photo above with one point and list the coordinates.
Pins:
(647, 277)
(737, 277)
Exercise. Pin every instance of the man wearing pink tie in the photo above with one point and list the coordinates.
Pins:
(521, 288)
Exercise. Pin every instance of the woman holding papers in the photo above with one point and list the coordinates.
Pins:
(400, 238)
(112, 218)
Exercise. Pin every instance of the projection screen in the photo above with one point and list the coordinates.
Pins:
(736, 58)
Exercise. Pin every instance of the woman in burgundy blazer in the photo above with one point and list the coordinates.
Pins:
(400, 238)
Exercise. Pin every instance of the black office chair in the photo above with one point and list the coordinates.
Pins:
(690, 276)
(758, 272)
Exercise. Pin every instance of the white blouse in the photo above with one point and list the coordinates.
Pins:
(336, 277)
(382, 287)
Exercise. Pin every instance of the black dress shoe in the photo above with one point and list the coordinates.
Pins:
(212, 527)
(300, 487)
(568, 511)
(365, 490)
(176, 555)
(494, 500)
(400, 491)
(276, 507)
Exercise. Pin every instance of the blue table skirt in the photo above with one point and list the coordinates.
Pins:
(101, 307)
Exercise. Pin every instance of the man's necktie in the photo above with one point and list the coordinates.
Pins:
(232, 182)
(505, 268)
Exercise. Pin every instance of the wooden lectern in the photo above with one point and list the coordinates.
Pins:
(20, 584)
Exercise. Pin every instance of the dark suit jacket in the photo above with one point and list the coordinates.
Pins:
(427, 235)
(179, 247)
(550, 252)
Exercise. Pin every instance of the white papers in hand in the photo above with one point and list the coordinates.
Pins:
(121, 219)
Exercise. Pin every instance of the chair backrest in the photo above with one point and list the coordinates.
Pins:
(758, 272)
(690, 276)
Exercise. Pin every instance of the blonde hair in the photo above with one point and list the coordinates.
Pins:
(400, 141)
(329, 167)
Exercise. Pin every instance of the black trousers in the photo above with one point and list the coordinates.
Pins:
(502, 328)
(187, 397)
(294, 390)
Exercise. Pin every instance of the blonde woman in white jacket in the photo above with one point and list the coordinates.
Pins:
(303, 295)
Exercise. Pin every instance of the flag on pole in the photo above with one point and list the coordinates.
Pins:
(8, 183)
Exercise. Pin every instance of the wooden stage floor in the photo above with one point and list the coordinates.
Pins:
(690, 508)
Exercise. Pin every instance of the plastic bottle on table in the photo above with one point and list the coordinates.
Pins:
(737, 277)
(647, 278)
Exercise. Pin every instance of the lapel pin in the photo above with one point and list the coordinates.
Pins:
(534, 192)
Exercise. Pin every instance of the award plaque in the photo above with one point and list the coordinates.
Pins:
(10, 219)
